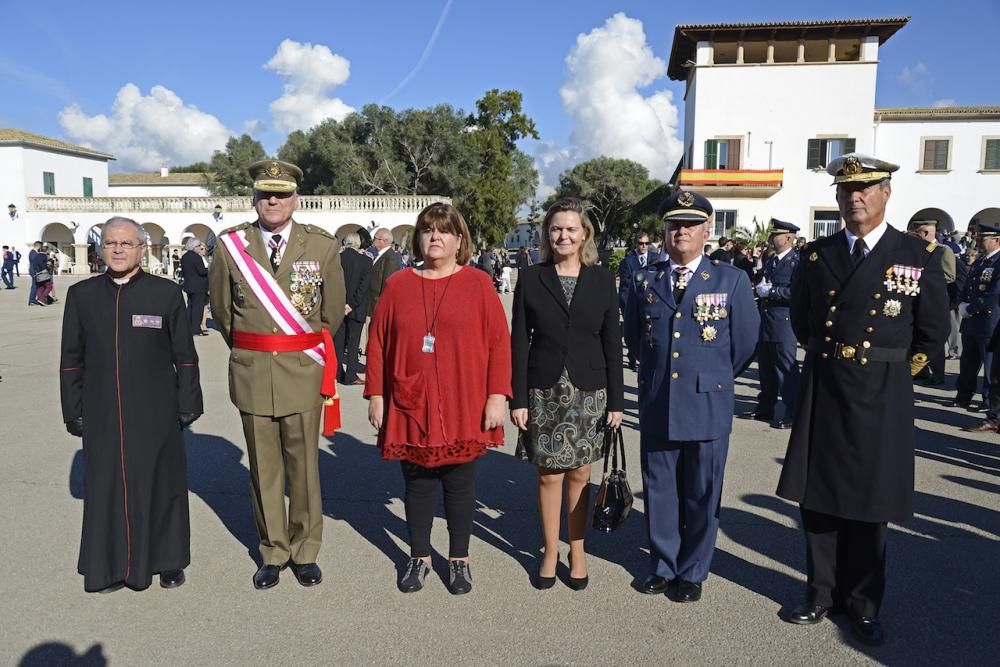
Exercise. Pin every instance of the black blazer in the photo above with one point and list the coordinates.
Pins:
(357, 281)
(194, 272)
(584, 338)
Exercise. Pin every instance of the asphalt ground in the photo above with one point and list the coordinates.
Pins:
(940, 606)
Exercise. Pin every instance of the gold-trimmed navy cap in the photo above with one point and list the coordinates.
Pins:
(987, 230)
(275, 176)
(781, 227)
(685, 206)
(860, 168)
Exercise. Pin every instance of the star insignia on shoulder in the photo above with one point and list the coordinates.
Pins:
(813, 257)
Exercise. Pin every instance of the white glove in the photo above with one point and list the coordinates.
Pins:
(763, 289)
(963, 310)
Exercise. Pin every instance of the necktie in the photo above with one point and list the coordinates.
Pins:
(275, 245)
(858, 254)
(680, 282)
(642, 260)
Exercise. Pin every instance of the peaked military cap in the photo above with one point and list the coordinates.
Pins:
(275, 176)
(987, 230)
(781, 227)
(685, 206)
(860, 168)
(917, 223)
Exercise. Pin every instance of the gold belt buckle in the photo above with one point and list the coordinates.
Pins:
(845, 351)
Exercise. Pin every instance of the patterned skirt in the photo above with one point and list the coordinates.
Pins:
(565, 426)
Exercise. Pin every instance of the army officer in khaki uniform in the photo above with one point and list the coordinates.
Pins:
(267, 265)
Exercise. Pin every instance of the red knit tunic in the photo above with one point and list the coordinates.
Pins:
(435, 401)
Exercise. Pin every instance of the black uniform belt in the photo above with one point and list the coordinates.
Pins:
(861, 352)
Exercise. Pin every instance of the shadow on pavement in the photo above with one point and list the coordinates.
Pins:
(57, 654)
(961, 452)
(217, 475)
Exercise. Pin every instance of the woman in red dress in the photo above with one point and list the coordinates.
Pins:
(438, 376)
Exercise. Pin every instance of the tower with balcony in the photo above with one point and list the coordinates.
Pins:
(767, 106)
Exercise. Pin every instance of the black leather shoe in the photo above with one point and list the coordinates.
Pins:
(868, 630)
(654, 585)
(413, 578)
(687, 591)
(808, 614)
(757, 416)
(782, 425)
(267, 576)
(961, 404)
(459, 577)
(544, 583)
(172, 578)
(307, 574)
(576, 583)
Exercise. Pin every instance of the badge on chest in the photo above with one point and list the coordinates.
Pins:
(306, 280)
(710, 307)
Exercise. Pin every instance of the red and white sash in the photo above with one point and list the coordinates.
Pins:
(269, 293)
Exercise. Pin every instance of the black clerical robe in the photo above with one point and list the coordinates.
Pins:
(129, 368)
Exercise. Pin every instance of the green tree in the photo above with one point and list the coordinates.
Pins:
(194, 168)
(229, 167)
(505, 177)
(610, 188)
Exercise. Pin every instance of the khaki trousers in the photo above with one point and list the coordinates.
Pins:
(286, 449)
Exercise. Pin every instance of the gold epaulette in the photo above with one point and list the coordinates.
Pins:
(931, 247)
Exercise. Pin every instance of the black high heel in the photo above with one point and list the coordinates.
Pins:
(544, 583)
(576, 583)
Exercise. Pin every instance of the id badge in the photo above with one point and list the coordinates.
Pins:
(428, 343)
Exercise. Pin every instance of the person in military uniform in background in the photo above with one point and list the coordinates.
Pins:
(693, 323)
(980, 312)
(635, 260)
(776, 347)
(933, 373)
(870, 305)
(277, 294)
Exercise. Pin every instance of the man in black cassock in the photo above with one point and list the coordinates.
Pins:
(129, 381)
(870, 305)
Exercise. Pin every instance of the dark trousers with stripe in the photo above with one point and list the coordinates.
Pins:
(974, 357)
(682, 482)
(779, 374)
(845, 562)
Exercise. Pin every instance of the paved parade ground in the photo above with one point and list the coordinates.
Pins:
(941, 601)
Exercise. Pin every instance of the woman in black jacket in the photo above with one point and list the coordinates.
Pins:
(567, 376)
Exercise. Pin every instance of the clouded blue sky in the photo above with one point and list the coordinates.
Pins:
(167, 82)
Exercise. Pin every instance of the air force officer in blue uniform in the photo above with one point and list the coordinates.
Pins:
(980, 312)
(694, 325)
(779, 371)
(636, 260)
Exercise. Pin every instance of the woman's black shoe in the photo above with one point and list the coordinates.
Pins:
(459, 577)
(577, 583)
(413, 578)
(544, 583)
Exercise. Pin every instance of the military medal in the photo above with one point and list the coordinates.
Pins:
(305, 281)
(704, 275)
(708, 333)
(903, 279)
(892, 308)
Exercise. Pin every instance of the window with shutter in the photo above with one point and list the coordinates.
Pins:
(992, 160)
(711, 154)
(88, 187)
(813, 159)
(734, 154)
(935, 155)
(48, 183)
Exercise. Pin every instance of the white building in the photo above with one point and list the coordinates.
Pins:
(524, 234)
(768, 105)
(61, 194)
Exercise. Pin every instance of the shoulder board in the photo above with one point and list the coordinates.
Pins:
(931, 247)
(313, 229)
(242, 225)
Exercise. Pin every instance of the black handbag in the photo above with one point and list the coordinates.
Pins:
(614, 497)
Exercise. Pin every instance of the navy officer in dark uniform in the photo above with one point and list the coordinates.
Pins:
(776, 347)
(870, 305)
(979, 308)
(694, 325)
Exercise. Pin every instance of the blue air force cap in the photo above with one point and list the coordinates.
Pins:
(685, 206)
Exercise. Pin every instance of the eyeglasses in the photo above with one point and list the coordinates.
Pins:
(124, 245)
(643, 243)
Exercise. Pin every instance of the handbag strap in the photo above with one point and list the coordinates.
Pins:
(614, 440)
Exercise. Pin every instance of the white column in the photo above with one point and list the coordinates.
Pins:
(80, 264)
(739, 52)
(770, 51)
(831, 51)
(800, 55)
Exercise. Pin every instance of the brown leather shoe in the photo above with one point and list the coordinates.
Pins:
(982, 427)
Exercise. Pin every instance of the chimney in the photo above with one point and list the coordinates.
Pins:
(164, 171)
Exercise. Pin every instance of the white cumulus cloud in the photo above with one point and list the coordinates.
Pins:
(311, 71)
(947, 102)
(147, 131)
(607, 68)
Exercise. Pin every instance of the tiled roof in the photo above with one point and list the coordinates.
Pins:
(154, 178)
(13, 136)
(687, 35)
(984, 112)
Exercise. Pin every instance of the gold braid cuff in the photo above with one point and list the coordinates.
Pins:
(917, 363)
